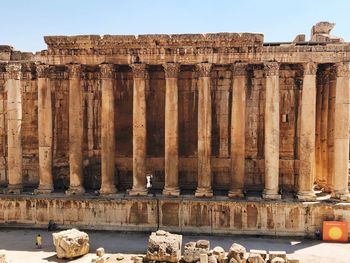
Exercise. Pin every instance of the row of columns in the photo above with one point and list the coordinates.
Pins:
(238, 116)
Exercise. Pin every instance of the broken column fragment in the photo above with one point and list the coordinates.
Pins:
(193, 250)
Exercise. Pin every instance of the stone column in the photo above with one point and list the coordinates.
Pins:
(171, 130)
(140, 75)
(272, 131)
(341, 133)
(238, 129)
(44, 130)
(14, 128)
(307, 134)
(107, 131)
(75, 130)
(204, 131)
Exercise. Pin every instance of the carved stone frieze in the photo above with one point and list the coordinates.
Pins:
(342, 69)
(42, 71)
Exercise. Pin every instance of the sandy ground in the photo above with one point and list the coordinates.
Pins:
(19, 246)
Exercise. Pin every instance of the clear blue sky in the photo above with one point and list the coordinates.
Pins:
(25, 22)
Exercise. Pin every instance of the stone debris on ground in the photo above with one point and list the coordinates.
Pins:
(237, 253)
(164, 246)
(219, 253)
(277, 260)
(280, 254)
(193, 250)
(262, 253)
(71, 243)
(255, 258)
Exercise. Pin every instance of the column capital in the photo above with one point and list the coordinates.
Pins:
(139, 70)
(14, 70)
(74, 70)
(271, 68)
(203, 69)
(310, 68)
(342, 69)
(171, 69)
(42, 71)
(239, 69)
(106, 70)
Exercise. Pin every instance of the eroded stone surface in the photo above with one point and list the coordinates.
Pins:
(164, 246)
(71, 243)
(193, 250)
(236, 252)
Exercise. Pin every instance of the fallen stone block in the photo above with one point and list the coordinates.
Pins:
(280, 254)
(255, 258)
(219, 253)
(278, 260)
(71, 243)
(237, 252)
(2, 258)
(164, 247)
(262, 253)
(193, 250)
(100, 252)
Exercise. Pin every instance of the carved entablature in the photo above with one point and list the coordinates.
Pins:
(342, 69)
(14, 70)
(74, 70)
(239, 69)
(154, 44)
(106, 71)
(171, 70)
(139, 70)
(271, 68)
(42, 71)
(310, 68)
(203, 69)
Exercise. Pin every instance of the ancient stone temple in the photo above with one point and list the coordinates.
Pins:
(235, 133)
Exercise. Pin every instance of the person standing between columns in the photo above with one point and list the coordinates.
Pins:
(171, 130)
(307, 139)
(75, 131)
(107, 131)
(204, 131)
(140, 75)
(341, 133)
(239, 72)
(272, 131)
(14, 128)
(45, 130)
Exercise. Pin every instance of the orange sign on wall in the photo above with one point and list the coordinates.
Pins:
(335, 231)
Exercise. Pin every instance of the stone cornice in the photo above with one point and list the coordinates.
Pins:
(42, 71)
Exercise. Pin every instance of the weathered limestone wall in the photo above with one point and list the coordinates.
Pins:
(182, 215)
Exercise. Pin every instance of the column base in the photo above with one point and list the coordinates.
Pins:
(306, 196)
(343, 195)
(75, 190)
(138, 192)
(14, 189)
(271, 196)
(108, 190)
(171, 191)
(236, 193)
(203, 192)
(44, 189)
